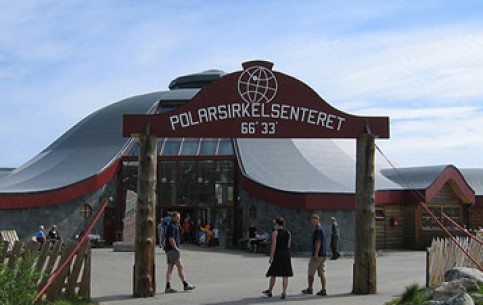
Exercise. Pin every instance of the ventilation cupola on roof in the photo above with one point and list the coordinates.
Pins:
(197, 80)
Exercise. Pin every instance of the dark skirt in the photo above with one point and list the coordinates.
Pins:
(281, 265)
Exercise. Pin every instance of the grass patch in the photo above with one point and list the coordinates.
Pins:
(17, 284)
(413, 295)
(480, 292)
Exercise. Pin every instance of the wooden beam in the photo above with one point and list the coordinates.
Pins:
(364, 281)
(145, 236)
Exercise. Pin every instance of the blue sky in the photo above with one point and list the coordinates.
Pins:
(418, 62)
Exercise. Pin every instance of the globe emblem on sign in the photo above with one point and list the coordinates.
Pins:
(257, 84)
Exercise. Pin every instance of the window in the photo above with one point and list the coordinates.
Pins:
(187, 171)
(428, 223)
(192, 147)
(86, 211)
(208, 146)
(206, 171)
(196, 182)
(224, 171)
(167, 171)
(455, 215)
(380, 216)
(225, 147)
(171, 147)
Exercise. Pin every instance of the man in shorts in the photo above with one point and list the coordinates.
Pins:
(173, 257)
(318, 258)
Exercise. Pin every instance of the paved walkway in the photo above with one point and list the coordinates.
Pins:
(233, 277)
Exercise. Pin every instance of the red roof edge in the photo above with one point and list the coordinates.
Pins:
(449, 175)
(399, 196)
(453, 176)
(306, 201)
(53, 197)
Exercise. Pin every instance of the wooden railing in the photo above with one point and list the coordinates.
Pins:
(444, 254)
(73, 280)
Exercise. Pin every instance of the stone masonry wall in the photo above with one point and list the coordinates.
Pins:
(65, 215)
(261, 214)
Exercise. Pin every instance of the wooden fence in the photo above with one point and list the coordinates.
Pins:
(73, 280)
(9, 236)
(444, 254)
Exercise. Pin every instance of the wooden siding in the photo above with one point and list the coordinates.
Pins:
(390, 236)
(411, 226)
(475, 217)
(445, 197)
(380, 229)
(409, 233)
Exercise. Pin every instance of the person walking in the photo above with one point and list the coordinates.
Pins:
(280, 258)
(318, 258)
(173, 256)
(53, 236)
(334, 238)
(40, 236)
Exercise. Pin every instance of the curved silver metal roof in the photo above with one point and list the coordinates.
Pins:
(474, 177)
(86, 149)
(414, 178)
(304, 165)
(418, 178)
(296, 165)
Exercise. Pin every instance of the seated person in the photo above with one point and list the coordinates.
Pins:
(251, 233)
(260, 238)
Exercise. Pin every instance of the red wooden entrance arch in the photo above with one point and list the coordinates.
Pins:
(256, 102)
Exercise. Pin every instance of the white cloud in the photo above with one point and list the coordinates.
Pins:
(60, 61)
(394, 66)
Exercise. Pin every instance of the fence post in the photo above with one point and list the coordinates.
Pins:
(85, 284)
(428, 253)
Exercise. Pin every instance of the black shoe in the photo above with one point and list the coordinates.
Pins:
(268, 293)
(308, 291)
(322, 292)
(170, 290)
(284, 295)
(189, 287)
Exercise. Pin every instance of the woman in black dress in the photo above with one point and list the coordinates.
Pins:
(280, 259)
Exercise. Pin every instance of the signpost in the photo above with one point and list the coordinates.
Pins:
(257, 102)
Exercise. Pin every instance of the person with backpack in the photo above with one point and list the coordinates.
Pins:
(163, 224)
(173, 256)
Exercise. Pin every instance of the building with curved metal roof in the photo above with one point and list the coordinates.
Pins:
(231, 183)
